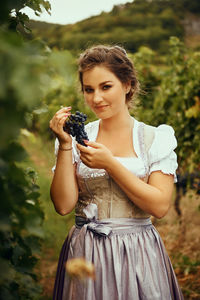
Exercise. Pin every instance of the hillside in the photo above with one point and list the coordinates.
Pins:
(142, 22)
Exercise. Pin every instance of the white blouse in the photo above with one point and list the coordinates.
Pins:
(160, 156)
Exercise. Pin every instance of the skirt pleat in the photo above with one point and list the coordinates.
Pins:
(129, 265)
(60, 274)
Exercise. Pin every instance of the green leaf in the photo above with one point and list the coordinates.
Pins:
(14, 152)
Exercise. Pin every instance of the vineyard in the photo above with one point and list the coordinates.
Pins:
(36, 81)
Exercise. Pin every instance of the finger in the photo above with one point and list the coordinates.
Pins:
(62, 121)
(57, 123)
(57, 119)
(92, 144)
(83, 148)
(64, 109)
(85, 160)
(58, 116)
(63, 115)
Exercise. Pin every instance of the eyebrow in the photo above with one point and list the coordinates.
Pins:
(102, 83)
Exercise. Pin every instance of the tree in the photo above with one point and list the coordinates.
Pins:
(22, 71)
(10, 11)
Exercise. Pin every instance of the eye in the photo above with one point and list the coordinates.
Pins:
(106, 86)
(88, 90)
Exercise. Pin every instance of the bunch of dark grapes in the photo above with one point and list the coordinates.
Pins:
(75, 126)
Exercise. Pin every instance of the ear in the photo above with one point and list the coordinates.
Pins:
(127, 87)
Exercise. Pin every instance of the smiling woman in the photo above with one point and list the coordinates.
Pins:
(104, 92)
(117, 66)
(123, 177)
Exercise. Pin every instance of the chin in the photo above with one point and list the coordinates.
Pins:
(103, 115)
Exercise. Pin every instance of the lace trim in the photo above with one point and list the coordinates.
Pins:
(87, 172)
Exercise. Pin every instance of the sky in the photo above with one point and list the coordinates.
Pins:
(71, 11)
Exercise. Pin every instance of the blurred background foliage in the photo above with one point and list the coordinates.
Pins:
(38, 74)
(172, 95)
(22, 74)
(136, 24)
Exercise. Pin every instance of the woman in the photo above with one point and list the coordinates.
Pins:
(123, 177)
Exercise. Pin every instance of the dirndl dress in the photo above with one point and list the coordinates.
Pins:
(114, 234)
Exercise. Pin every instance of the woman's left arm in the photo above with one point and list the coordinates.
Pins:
(153, 197)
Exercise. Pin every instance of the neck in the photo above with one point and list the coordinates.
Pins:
(116, 122)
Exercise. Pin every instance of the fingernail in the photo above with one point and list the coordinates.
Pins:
(85, 141)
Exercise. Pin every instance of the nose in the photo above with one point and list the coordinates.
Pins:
(97, 98)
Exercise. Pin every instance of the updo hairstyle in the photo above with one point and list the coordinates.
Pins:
(115, 59)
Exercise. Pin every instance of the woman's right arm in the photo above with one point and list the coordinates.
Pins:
(64, 188)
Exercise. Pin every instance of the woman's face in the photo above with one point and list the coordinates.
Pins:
(104, 92)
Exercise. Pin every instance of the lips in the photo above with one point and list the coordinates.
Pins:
(101, 106)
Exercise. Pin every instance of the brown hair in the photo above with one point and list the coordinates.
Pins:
(116, 60)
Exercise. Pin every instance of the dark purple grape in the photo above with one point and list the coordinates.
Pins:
(75, 126)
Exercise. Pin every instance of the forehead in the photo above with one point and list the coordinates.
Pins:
(97, 75)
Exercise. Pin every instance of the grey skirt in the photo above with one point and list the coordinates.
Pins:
(130, 262)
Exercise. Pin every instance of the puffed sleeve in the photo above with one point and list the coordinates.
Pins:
(75, 156)
(161, 154)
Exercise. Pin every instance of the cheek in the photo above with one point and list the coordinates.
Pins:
(119, 96)
(119, 92)
(87, 99)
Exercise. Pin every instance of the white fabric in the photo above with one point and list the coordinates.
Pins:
(160, 157)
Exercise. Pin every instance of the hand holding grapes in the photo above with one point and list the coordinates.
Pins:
(75, 125)
(95, 156)
(56, 124)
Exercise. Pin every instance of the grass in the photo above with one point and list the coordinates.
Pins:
(181, 237)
